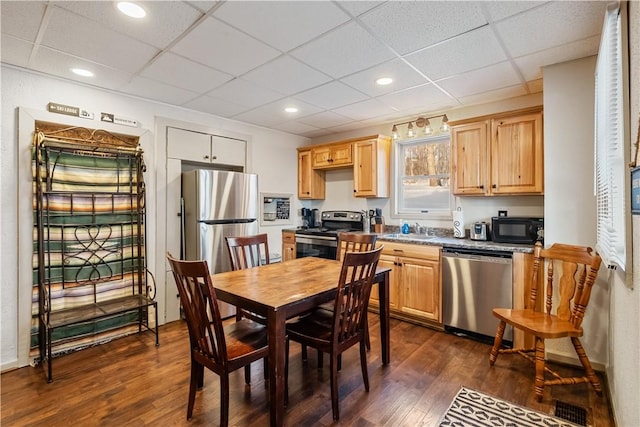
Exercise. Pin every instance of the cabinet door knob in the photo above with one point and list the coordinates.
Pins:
(214, 157)
(481, 187)
(206, 157)
(494, 186)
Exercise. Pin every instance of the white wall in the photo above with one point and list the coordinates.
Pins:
(570, 204)
(269, 151)
(624, 335)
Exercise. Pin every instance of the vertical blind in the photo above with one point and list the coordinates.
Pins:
(610, 142)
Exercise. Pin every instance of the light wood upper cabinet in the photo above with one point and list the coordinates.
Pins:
(368, 156)
(371, 167)
(332, 156)
(498, 155)
(311, 183)
(517, 155)
(469, 161)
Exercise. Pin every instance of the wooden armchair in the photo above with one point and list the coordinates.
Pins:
(335, 331)
(220, 349)
(570, 274)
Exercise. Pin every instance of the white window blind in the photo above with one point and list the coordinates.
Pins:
(609, 140)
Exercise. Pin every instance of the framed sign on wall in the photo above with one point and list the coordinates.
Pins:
(635, 191)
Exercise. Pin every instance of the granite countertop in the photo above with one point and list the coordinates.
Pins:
(454, 242)
(444, 237)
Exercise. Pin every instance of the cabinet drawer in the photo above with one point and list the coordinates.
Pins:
(414, 251)
(288, 238)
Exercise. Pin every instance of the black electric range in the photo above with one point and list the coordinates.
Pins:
(323, 241)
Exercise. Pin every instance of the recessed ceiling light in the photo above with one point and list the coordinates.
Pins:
(82, 72)
(291, 110)
(131, 9)
(383, 81)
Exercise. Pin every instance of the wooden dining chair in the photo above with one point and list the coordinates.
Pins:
(333, 332)
(347, 242)
(570, 274)
(220, 349)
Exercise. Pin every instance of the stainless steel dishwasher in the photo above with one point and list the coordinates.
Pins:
(473, 283)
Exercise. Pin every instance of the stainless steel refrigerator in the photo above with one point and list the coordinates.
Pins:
(217, 204)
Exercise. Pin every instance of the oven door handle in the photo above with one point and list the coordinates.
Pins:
(315, 240)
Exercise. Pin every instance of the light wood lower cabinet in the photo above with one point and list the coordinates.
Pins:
(288, 245)
(415, 293)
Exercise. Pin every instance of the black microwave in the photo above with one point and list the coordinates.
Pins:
(512, 229)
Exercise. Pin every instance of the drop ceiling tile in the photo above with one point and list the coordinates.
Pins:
(359, 7)
(22, 19)
(411, 25)
(15, 51)
(364, 110)
(165, 20)
(180, 72)
(343, 51)
(273, 113)
(59, 64)
(475, 49)
(204, 5)
(531, 65)
(551, 25)
(325, 119)
(224, 48)
(494, 95)
(152, 89)
(403, 77)
(215, 106)
(331, 95)
(282, 24)
(286, 75)
(295, 127)
(417, 97)
(503, 9)
(483, 80)
(78, 36)
(245, 93)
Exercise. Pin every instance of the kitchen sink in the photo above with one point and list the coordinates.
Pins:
(410, 236)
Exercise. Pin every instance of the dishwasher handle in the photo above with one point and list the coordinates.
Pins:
(498, 257)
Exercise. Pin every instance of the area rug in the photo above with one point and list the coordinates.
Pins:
(471, 408)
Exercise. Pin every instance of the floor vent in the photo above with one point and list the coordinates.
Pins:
(572, 413)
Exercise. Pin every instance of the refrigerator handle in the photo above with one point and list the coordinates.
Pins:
(183, 243)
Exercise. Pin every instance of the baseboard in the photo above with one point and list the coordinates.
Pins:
(9, 366)
(573, 361)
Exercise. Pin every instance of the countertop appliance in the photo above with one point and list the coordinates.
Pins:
(217, 204)
(479, 231)
(512, 229)
(473, 283)
(322, 241)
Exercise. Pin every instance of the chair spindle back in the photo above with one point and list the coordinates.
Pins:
(248, 251)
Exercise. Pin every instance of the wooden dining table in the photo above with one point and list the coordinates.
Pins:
(284, 290)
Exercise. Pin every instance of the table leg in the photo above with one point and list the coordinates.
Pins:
(383, 295)
(276, 331)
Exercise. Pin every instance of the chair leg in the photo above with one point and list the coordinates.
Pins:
(340, 362)
(539, 360)
(320, 360)
(304, 353)
(224, 400)
(247, 374)
(366, 332)
(363, 364)
(497, 342)
(266, 368)
(286, 371)
(593, 378)
(193, 386)
(334, 386)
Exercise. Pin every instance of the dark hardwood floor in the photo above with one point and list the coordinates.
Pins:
(131, 382)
